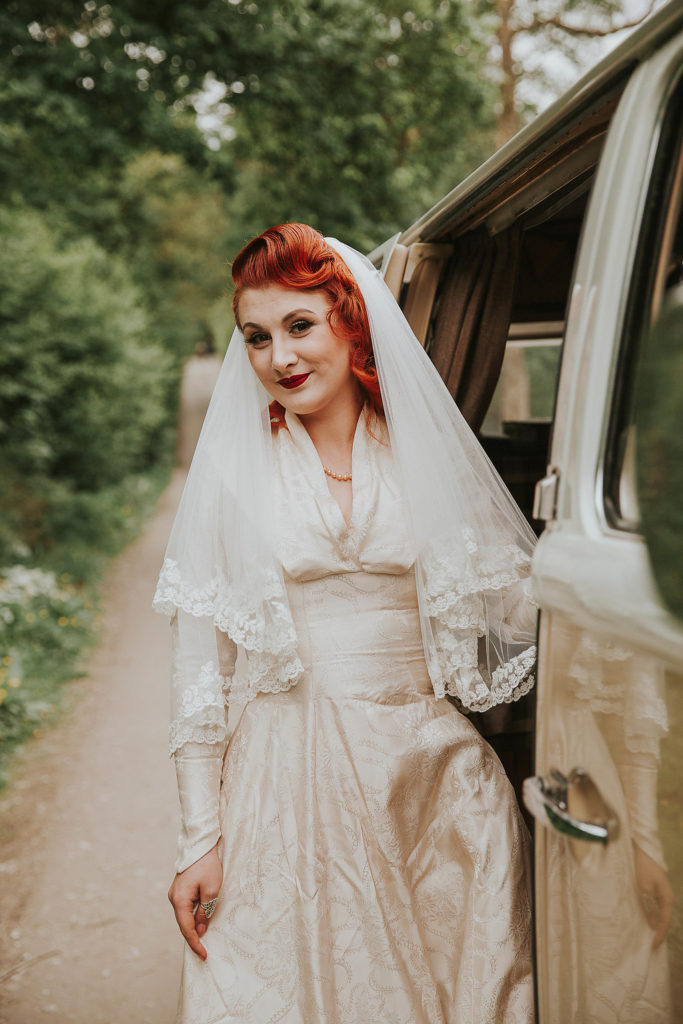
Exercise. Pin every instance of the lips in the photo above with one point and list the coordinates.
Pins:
(294, 382)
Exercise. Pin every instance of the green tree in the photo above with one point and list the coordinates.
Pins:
(349, 113)
(175, 246)
(552, 25)
(364, 113)
(86, 392)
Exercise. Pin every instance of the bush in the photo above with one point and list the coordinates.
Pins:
(44, 624)
(87, 394)
(48, 613)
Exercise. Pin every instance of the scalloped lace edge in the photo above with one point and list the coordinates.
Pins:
(218, 601)
(509, 682)
(201, 718)
(180, 733)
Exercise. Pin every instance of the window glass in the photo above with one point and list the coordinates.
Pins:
(658, 270)
(525, 392)
(516, 430)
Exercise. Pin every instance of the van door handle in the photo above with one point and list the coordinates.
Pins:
(572, 805)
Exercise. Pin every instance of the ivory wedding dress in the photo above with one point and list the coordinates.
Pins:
(375, 860)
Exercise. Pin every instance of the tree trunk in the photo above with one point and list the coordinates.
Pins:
(508, 121)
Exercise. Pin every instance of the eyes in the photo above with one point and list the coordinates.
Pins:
(259, 339)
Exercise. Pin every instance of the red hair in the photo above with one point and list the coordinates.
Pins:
(297, 256)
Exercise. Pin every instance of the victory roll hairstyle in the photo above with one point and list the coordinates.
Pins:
(297, 256)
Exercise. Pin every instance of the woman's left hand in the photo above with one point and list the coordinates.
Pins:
(198, 884)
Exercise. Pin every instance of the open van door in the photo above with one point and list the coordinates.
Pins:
(607, 796)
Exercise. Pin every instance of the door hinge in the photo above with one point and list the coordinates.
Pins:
(545, 495)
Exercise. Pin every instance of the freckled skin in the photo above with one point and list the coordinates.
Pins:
(287, 334)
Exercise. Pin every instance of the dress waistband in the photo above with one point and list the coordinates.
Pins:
(359, 636)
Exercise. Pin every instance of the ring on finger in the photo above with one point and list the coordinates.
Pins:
(209, 907)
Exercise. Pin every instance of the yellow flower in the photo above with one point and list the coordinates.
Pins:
(14, 682)
(62, 621)
(3, 694)
(6, 660)
(43, 613)
(30, 617)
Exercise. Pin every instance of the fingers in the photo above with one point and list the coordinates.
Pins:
(183, 908)
(208, 895)
(200, 883)
(201, 921)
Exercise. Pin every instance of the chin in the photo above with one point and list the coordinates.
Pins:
(300, 404)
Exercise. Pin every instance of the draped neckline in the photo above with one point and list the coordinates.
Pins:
(362, 484)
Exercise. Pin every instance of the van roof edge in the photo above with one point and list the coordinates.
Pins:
(551, 121)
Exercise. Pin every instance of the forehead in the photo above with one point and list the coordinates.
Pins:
(273, 302)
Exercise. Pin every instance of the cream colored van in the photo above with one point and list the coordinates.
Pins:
(547, 291)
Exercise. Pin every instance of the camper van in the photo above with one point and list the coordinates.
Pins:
(547, 290)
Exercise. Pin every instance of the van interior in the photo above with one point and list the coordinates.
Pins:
(487, 289)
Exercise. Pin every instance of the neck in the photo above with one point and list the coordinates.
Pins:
(332, 430)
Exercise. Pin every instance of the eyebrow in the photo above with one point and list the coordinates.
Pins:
(288, 316)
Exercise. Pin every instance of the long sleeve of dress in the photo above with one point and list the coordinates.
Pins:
(198, 730)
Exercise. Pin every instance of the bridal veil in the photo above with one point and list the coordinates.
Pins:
(473, 546)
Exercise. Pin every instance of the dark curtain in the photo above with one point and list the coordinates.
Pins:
(473, 317)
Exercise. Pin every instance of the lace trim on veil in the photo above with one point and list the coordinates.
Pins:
(259, 622)
(454, 604)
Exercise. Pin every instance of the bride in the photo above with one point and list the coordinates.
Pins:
(343, 558)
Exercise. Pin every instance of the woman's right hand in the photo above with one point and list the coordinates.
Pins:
(199, 883)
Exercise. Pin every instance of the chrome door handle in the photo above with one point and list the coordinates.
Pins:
(572, 805)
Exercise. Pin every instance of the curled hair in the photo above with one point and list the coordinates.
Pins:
(297, 256)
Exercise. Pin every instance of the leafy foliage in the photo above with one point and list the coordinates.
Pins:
(175, 245)
(355, 114)
(43, 626)
(86, 395)
(350, 114)
(660, 452)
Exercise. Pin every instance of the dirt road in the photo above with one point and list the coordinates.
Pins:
(88, 822)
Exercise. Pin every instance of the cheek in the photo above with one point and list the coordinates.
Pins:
(343, 361)
(260, 361)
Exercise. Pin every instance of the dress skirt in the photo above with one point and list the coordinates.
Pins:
(375, 860)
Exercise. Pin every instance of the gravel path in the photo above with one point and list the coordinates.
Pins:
(88, 823)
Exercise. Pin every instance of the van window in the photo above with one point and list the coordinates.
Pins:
(658, 269)
(516, 430)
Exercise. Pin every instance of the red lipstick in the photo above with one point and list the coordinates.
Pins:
(294, 382)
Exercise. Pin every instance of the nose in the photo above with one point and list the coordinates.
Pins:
(283, 355)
